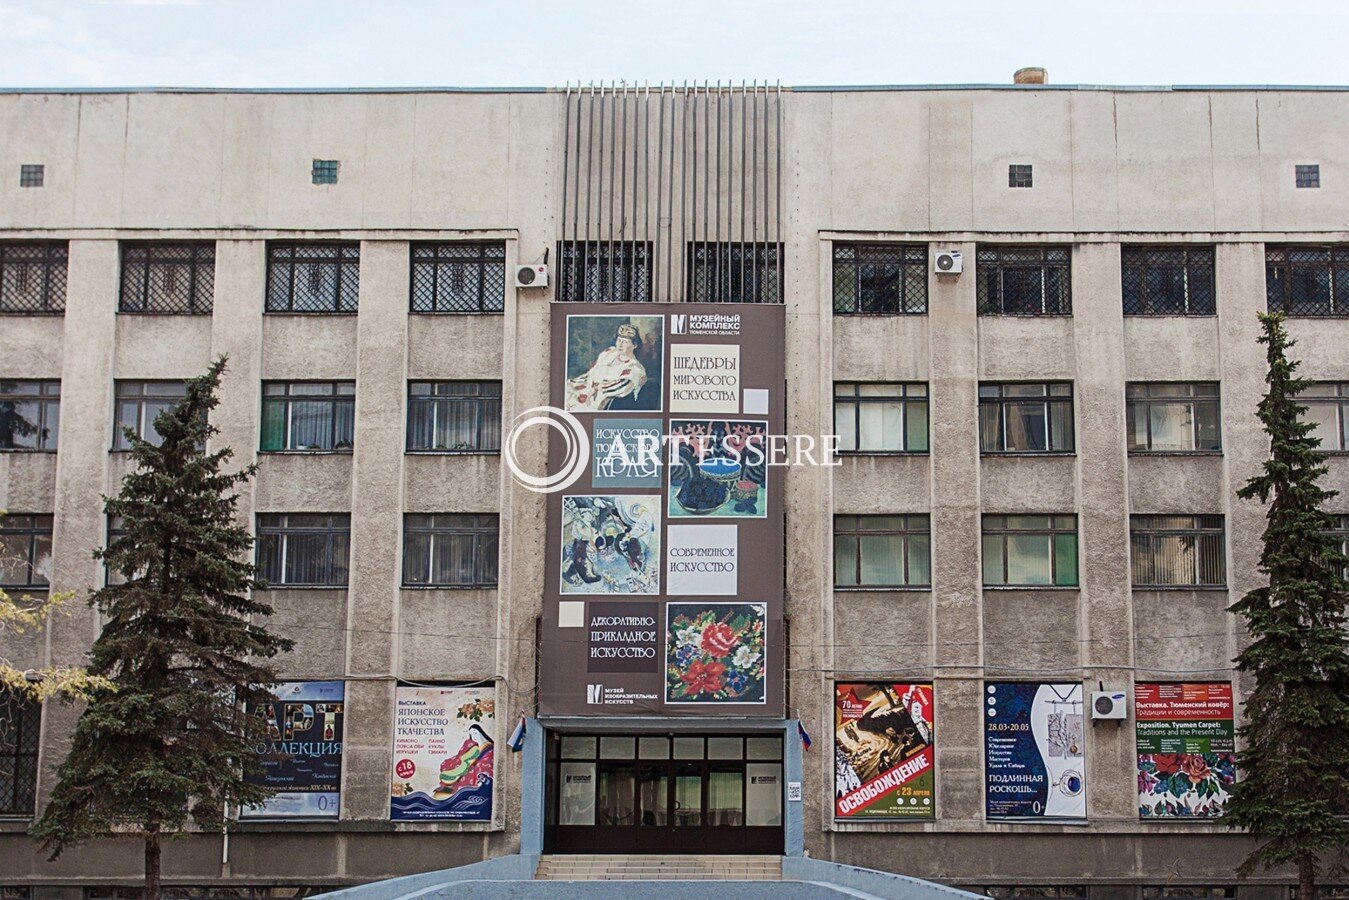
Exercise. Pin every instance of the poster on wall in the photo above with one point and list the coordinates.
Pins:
(715, 652)
(611, 544)
(1186, 749)
(302, 756)
(1033, 751)
(884, 751)
(614, 363)
(443, 754)
(718, 469)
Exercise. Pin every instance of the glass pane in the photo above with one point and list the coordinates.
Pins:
(845, 560)
(763, 794)
(273, 424)
(763, 748)
(575, 746)
(881, 426)
(618, 747)
(1026, 424)
(1208, 432)
(725, 798)
(577, 793)
(920, 560)
(688, 748)
(617, 804)
(653, 794)
(845, 424)
(881, 559)
(915, 427)
(1065, 559)
(1172, 426)
(990, 427)
(993, 559)
(311, 425)
(688, 797)
(725, 748)
(1061, 427)
(1136, 425)
(1028, 559)
(653, 747)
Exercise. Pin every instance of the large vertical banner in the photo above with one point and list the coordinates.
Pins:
(302, 758)
(1033, 751)
(884, 751)
(443, 754)
(664, 586)
(1186, 749)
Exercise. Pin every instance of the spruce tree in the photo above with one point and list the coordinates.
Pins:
(1294, 767)
(172, 745)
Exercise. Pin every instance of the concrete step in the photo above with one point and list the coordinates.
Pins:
(654, 867)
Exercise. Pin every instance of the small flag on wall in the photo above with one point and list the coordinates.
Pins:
(805, 738)
(518, 736)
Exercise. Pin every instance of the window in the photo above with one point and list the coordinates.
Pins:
(1023, 281)
(1307, 176)
(1174, 551)
(880, 278)
(20, 721)
(138, 404)
(602, 271)
(324, 171)
(880, 418)
(1339, 533)
(734, 272)
(173, 278)
(1307, 280)
(32, 175)
(459, 277)
(882, 551)
(1026, 418)
(454, 416)
(1037, 892)
(25, 551)
(1168, 281)
(1025, 551)
(304, 550)
(1189, 892)
(1328, 409)
(308, 415)
(313, 278)
(1018, 176)
(1173, 417)
(445, 550)
(33, 278)
(115, 530)
(30, 414)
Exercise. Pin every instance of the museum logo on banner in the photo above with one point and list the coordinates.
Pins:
(627, 453)
(705, 324)
(701, 560)
(705, 378)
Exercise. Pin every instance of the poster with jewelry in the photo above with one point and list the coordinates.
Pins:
(676, 519)
(1034, 760)
(884, 751)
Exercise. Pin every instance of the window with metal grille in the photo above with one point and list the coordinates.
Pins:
(1307, 280)
(1027, 551)
(882, 551)
(1023, 281)
(886, 279)
(308, 415)
(30, 414)
(25, 551)
(604, 271)
(1173, 417)
(313, 278)
(1026, 417)
(32, 174)
(733, 272)
(1168, 281)
(1177, 551)
(33, 277)
(459, 277)
(324, 171)
(1327, 405)
(450, 550)
(880, 418)
(20, 722)
(454, 417)
(1339, 533)
(1019, 175)
(1036, 892)
(15, 891)
(138, 404)
(168, 278)
(209, 892)
(303, 549)
(1307, 175)
(1189, 892)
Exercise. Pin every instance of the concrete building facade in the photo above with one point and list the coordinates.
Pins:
(1111, 172)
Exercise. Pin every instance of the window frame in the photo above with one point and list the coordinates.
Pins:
(1143, 258)
(324, 171)
(911, 525)
(48, 399)
(1340, 402)
(199, 265)
(574, 264)
(482, 426)
(24, 717)
(31, 528)
(119, 442)
(289, 254)
(998, 525)
(1144, 403)
(1339, 532)
(1306, 175)
(484, 261)
(754, 262)
(903, 399)
(1155, 533)
(1049, 399)
(993, 255)
(1278, 259)
(287, 400)
(338, 526)
(32, 175)
(52, 259)
(1020, 175)
(911, 261)
(486, 565)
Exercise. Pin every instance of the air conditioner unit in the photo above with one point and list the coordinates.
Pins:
(1109, 705)
(534, 276)
(947, 262)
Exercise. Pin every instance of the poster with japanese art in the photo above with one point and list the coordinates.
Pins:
(715, 652)
(1186, 749)
(884, 751)
(1034, 760)
(614, 363)
(444, 754)
(302, 756)
(611, 544)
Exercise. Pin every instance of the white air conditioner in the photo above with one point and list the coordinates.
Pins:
(1109, 705)
(534, 276)
(947, 262)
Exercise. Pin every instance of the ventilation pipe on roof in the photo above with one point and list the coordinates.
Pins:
(1031, 75)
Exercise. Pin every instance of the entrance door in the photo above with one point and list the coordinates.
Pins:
(664, 794)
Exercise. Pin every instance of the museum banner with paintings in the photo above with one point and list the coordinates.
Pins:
(1186, 749)
(664, 585)
(884, 751)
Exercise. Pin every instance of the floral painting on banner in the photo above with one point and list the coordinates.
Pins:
(715, 652)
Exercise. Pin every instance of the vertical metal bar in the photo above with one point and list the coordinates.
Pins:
(566, 161)
(576, 183)
(660, 177)
(777, 203)
(669, 205)
(590, 174)
(707, 157)
(623, 190)
(613, 122)
(754, 193)
(600, 222)
(693, 203)
(683, 184)
(646, 188)
(712, 257)
(744, 131)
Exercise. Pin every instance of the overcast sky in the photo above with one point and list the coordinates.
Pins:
(338, 43)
